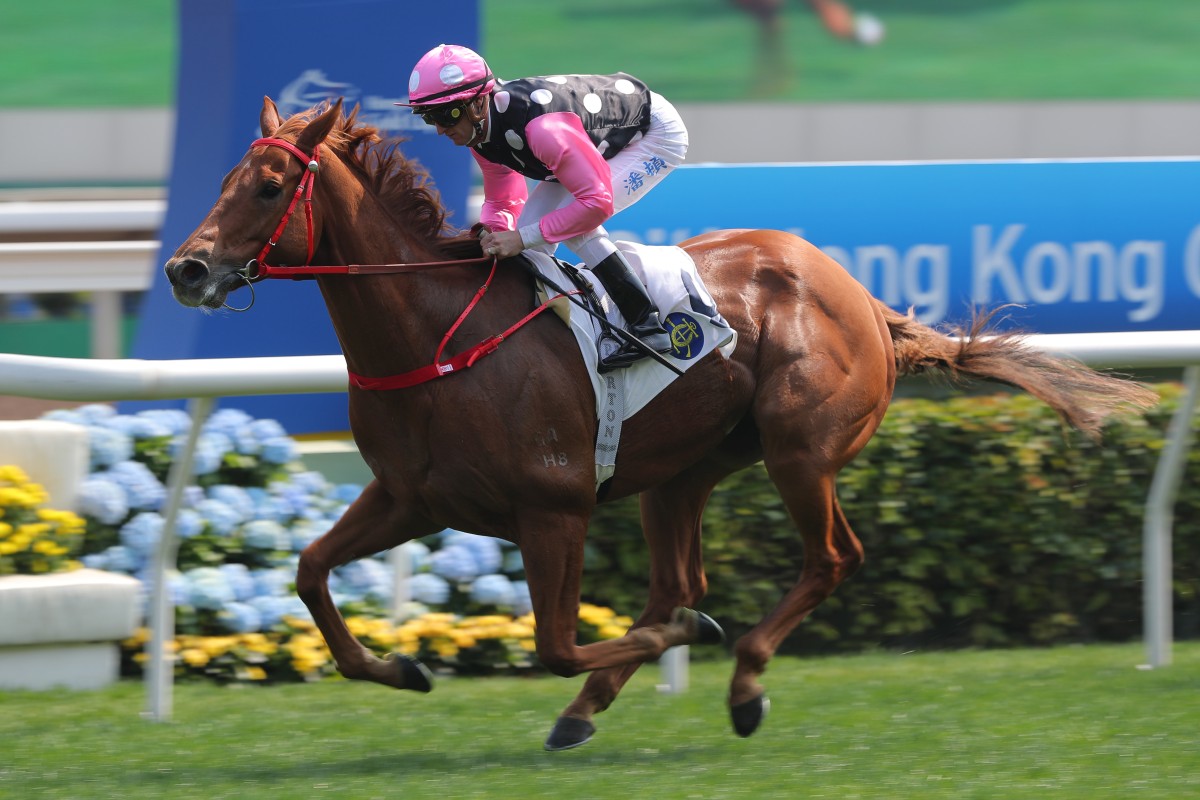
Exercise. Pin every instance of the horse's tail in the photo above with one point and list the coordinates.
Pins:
(1082, 396)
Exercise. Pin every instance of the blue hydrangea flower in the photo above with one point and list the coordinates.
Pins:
(174, 420)
(263, 534)
(522, 602)
(144, 491)
(493, 590)
(293, 606)
(211, 447)
(249, 438)
(227, 421)
(142, 533)
(346, 493)
(108, 447)
(270, 609)
(311, 481)
(136, 427)
(295, 497)
(103, 500)
(188, 524)
(278, 450)
(121, 559)
(514, 563)
(241, 582)
(240, 618)
(368, 578)
(208, 588)
(219, 516)
(484, 549)
(454, 563)
(272, 582)
(429, 589)
(306, 531)
(235, 497)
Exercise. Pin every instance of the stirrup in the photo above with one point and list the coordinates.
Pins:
(629, 353)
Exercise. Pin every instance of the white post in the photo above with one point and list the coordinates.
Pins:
(1156, 531)
(674, 666)
(401, 558)
(106, 324)
(160, 665)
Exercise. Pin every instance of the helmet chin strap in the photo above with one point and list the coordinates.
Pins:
(478, 126)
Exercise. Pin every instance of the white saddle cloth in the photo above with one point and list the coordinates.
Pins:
(687, 311)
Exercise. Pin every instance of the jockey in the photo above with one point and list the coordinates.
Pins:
(597, 143)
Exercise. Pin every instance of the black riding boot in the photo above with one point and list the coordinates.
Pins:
(641, 315)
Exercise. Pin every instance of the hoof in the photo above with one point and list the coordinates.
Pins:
(707, 629)
(413, 674)
(569, 732)
(749, 715)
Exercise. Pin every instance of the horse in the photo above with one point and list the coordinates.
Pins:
(503, 445)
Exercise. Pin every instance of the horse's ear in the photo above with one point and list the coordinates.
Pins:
(269, 120)
(316, 131)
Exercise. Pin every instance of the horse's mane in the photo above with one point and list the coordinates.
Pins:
(402, 185)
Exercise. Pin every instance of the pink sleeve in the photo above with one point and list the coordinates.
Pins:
(560, 142)
(504, 195)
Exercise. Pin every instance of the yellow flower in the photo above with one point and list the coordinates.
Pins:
(611, 631)
(195, 657)
(445, 648)
(254, 674)
(13, 474)
(48, 547)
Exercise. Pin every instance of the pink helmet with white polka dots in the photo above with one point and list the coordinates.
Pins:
(448, 73)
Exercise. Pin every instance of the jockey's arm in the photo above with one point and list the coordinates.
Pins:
(504, 195)
(559, 142)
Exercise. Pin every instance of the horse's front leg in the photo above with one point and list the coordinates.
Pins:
(671, 517)
(552, 549)
(373, 523)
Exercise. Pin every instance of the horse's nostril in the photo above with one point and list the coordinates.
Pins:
(187, 272)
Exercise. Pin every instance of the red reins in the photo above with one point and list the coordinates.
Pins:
(438, 368)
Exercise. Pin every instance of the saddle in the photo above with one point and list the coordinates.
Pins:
(687, 310)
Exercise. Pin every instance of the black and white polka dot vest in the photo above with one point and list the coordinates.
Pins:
(614, 109)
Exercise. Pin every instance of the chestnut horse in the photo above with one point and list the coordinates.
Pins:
(506, 447)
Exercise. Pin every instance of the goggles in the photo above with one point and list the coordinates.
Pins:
(444, 116)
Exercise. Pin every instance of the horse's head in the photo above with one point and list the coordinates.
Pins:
(222, 254)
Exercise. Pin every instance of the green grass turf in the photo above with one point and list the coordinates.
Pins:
(1072, 722)
(82, 53)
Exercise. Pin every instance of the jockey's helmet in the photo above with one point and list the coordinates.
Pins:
(449, 73)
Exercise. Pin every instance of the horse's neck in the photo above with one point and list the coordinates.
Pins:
(385, 323)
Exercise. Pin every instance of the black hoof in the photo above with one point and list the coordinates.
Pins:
(708, 631)
(569, 732)
(749, 715)
(416, 676)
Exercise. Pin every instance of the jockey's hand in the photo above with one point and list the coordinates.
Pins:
(502, 244)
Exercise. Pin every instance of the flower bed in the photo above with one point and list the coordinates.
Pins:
(253, 508)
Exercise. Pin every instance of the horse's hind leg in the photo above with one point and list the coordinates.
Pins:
(671, 516)
(372, 524)
(831, 554)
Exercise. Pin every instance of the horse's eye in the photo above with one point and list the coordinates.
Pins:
(270, 191)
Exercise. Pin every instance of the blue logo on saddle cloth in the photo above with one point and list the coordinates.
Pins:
(687, 337)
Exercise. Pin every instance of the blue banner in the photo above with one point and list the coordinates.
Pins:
(299, 53)
(1084, 246)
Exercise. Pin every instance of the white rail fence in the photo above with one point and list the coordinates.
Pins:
(106, 269)
(204, 380)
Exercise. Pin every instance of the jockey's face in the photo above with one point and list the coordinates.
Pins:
(459, 128)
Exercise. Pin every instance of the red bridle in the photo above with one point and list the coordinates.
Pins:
(304, 188)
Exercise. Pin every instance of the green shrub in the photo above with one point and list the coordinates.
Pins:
(985, 523)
